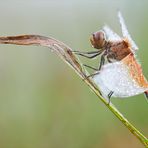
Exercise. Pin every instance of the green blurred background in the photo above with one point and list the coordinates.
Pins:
(43, 103)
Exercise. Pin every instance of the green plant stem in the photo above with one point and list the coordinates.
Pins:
(115, 111)
(64, 52)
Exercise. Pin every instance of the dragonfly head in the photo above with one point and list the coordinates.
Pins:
(98, 39)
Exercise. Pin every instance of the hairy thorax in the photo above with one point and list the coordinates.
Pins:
(118, 50)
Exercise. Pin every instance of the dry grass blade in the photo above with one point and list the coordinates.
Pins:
(67, 55)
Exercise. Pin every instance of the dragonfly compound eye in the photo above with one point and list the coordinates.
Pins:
(98, 39)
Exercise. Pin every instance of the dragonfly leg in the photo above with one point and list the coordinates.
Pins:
(90, 55)
(146, 94)
(108, 59)
(85, 52)
(102, 61)
(95, 69)
(109, 96)
(91, 75)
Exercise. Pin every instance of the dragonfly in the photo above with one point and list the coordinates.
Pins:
(122, 75)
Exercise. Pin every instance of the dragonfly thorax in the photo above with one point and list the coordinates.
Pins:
(118, 50)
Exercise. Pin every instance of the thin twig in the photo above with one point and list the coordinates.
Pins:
(67, 55)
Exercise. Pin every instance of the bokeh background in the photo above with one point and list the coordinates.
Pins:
(43, 103)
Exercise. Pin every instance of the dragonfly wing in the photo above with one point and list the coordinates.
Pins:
(116, 77)
(125, 32)
(111, 35)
